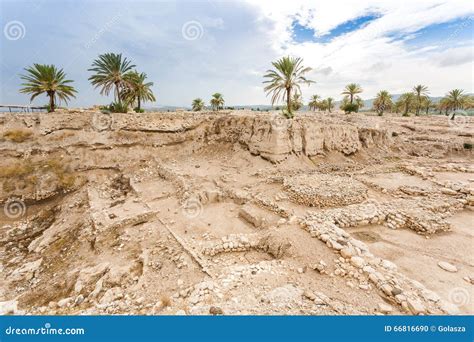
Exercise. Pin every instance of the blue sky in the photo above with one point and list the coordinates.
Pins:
(381, 45)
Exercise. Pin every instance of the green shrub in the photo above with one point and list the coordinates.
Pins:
(287, 113)
(116, 107)
(351, 108)
(467, 146)
(136, 110)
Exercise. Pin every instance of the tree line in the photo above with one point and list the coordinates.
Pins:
(112, 73)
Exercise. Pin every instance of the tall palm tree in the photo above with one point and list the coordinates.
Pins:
(352, 90)
(456, 99)
(383, 101)
(420, 92)
(110, 70)
(217, 101)
(42, 78)
(406, 101)
(313, 103)
(198, 105)
(330, 103)
(286, 79)
(137, 89)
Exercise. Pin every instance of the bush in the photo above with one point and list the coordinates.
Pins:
(350, 108)
(467, 146)
(136, 110)
(287, 113)
(116, 107)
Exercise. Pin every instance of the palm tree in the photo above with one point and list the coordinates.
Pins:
(198, 105)
(296, 102)
(313, 103)
(42, 78)
(382, 101)
(217, 101)
(420, 91)
(137, 90)
(110, 70)
(330, 103)
(444, 105)
(323, 105)
(406, 101)
(427, 104)
(286, 79)
(456, 99)
(352, 90)
(359, 103)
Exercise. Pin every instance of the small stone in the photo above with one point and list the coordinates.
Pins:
(384, 308)
(347, 252)
(79, 300)
(415, 306)
(387, 289)
(310, 295)
(447, 266)
(388, 265)
(357, 262)
(396, 291)
(215, 310)
(64, 302)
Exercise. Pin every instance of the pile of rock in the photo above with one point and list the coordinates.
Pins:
(203, 290)
(232, 243)
(369, 212)
(426, 222)
(322, 191)
(357, 262)
(426, 216)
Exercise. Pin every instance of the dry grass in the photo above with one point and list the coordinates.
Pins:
(20, 170)
(17, 135)
(27, 173)
(165, 300)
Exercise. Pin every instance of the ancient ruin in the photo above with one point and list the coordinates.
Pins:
(235, 213)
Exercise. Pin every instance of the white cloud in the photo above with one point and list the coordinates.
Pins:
(369, 55)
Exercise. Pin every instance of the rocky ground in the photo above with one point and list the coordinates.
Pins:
(235, 213)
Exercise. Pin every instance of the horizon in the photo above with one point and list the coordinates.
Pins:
(216, 46)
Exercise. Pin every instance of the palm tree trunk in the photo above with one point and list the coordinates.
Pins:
(288, 99)
(138, 104)
(117, 93)
(352, 98)
(51, 102)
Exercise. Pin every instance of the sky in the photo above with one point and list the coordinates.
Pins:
(193, 49)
